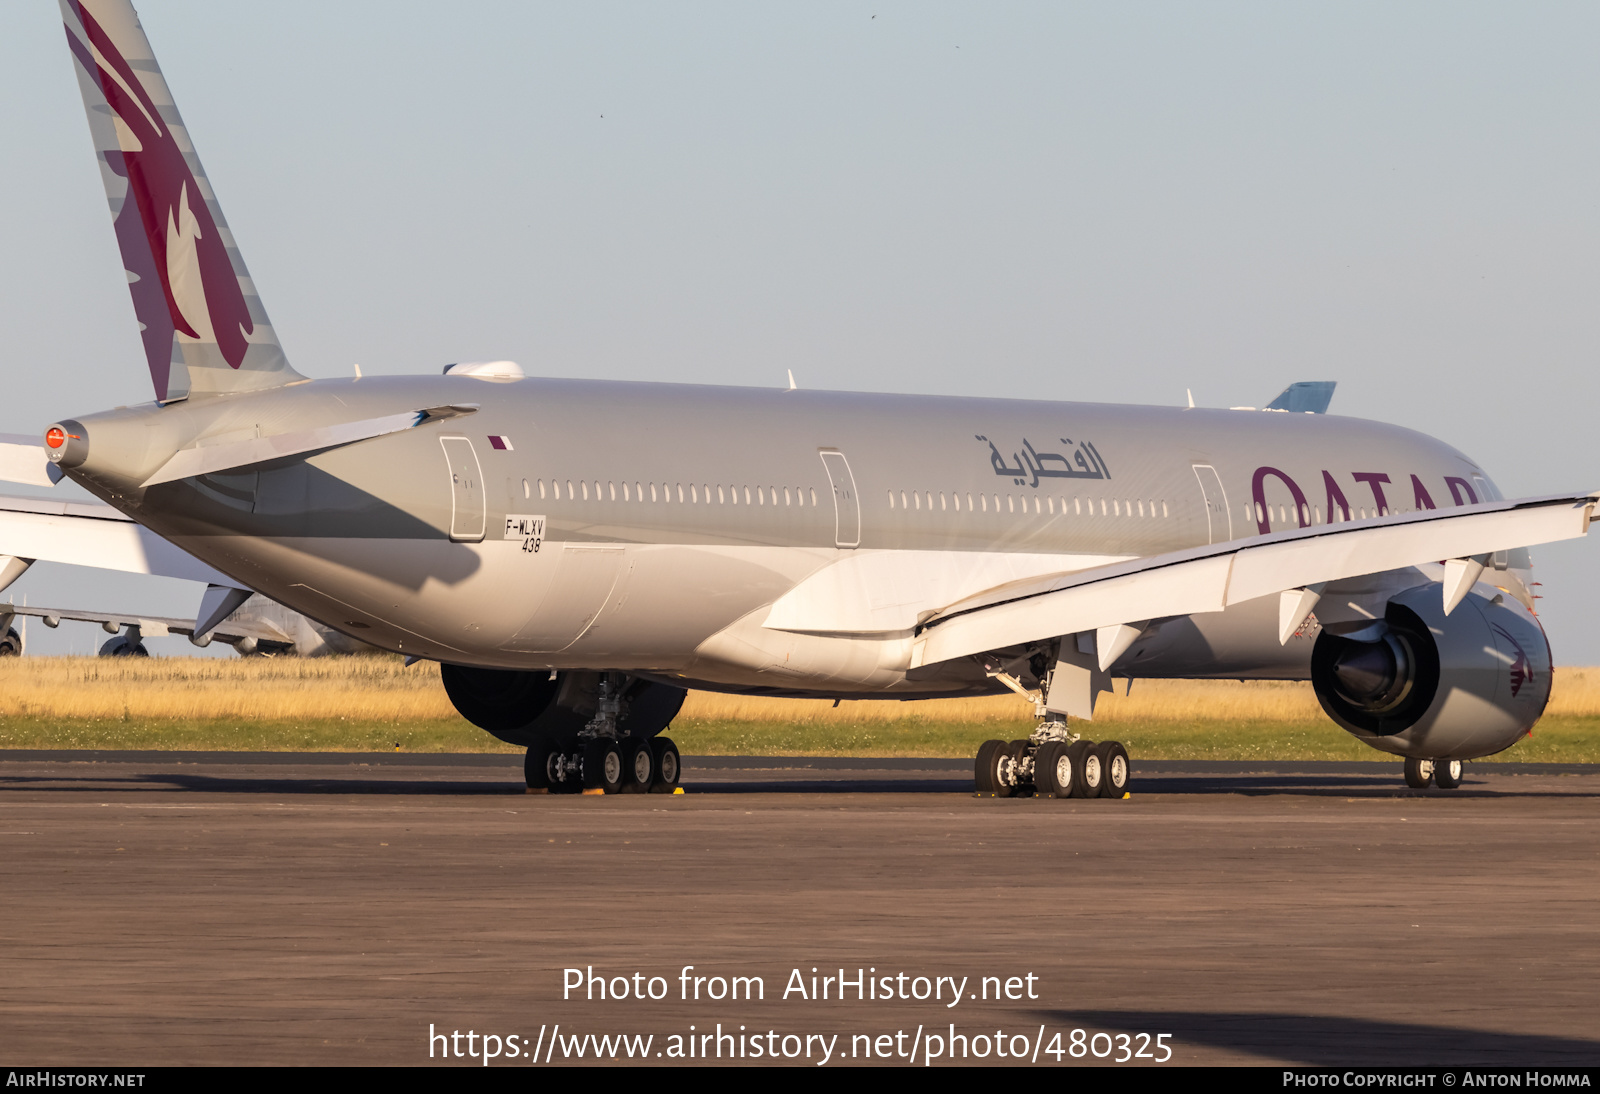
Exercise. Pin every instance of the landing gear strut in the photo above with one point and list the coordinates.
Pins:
(599, 760)
(1053, 763)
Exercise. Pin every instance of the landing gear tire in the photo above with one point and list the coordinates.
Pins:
(1087, 770)
(638, 766)
(536, 767)
(121, 647)
(669, 765)
(1017, 753)
(1114, 771)
(602, 765)
(985, 773)
(1052, 770)
(1447, 774)
(1419, 773)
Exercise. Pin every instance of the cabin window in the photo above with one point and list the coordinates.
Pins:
(625, 492)
(942, 506)
(541, 489)
(721, 498)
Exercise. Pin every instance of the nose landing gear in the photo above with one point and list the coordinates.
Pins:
(1445, 774)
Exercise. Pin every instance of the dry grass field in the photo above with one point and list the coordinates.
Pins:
(375, 703)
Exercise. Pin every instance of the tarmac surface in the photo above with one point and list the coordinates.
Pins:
(166, 908)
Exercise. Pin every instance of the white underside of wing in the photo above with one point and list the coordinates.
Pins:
(1210, 579)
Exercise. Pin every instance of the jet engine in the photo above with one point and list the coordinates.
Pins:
(1422, 684)
(524, 708)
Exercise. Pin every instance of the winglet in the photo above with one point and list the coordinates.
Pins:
(219, 602)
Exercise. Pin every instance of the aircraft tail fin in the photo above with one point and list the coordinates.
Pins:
(203, 326)
(1305, 397)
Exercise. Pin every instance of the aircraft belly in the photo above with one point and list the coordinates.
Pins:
(669, 598)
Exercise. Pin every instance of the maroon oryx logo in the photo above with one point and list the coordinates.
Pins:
(1521, 670)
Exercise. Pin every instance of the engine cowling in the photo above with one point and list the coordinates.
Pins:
(1424, 684)
(525, 708)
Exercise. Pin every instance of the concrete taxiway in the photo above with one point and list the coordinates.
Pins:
(265, 908)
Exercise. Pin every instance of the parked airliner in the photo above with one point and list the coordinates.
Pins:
(576, 553)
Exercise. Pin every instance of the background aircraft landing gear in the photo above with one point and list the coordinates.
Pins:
(1052, 763)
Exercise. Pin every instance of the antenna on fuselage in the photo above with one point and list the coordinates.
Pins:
(1190, 392)
(792, 385)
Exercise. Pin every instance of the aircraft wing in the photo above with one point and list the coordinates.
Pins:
(1122, 596)
(155, 626)
(91, 534)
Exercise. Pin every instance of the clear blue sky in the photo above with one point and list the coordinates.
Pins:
(1107, 202)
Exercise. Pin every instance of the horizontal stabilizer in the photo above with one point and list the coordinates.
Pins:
(23, 459)
(97, 535)
(209, 459)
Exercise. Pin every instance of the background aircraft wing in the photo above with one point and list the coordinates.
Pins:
(91, 534)
(233, 631)
(1115, 600)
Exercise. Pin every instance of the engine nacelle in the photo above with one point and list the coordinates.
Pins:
(1434, 686)
(525, 708)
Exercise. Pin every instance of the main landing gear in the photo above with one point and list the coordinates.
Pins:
(604, 765)
(1053, 763)
(1445, 774)
(601, 761)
